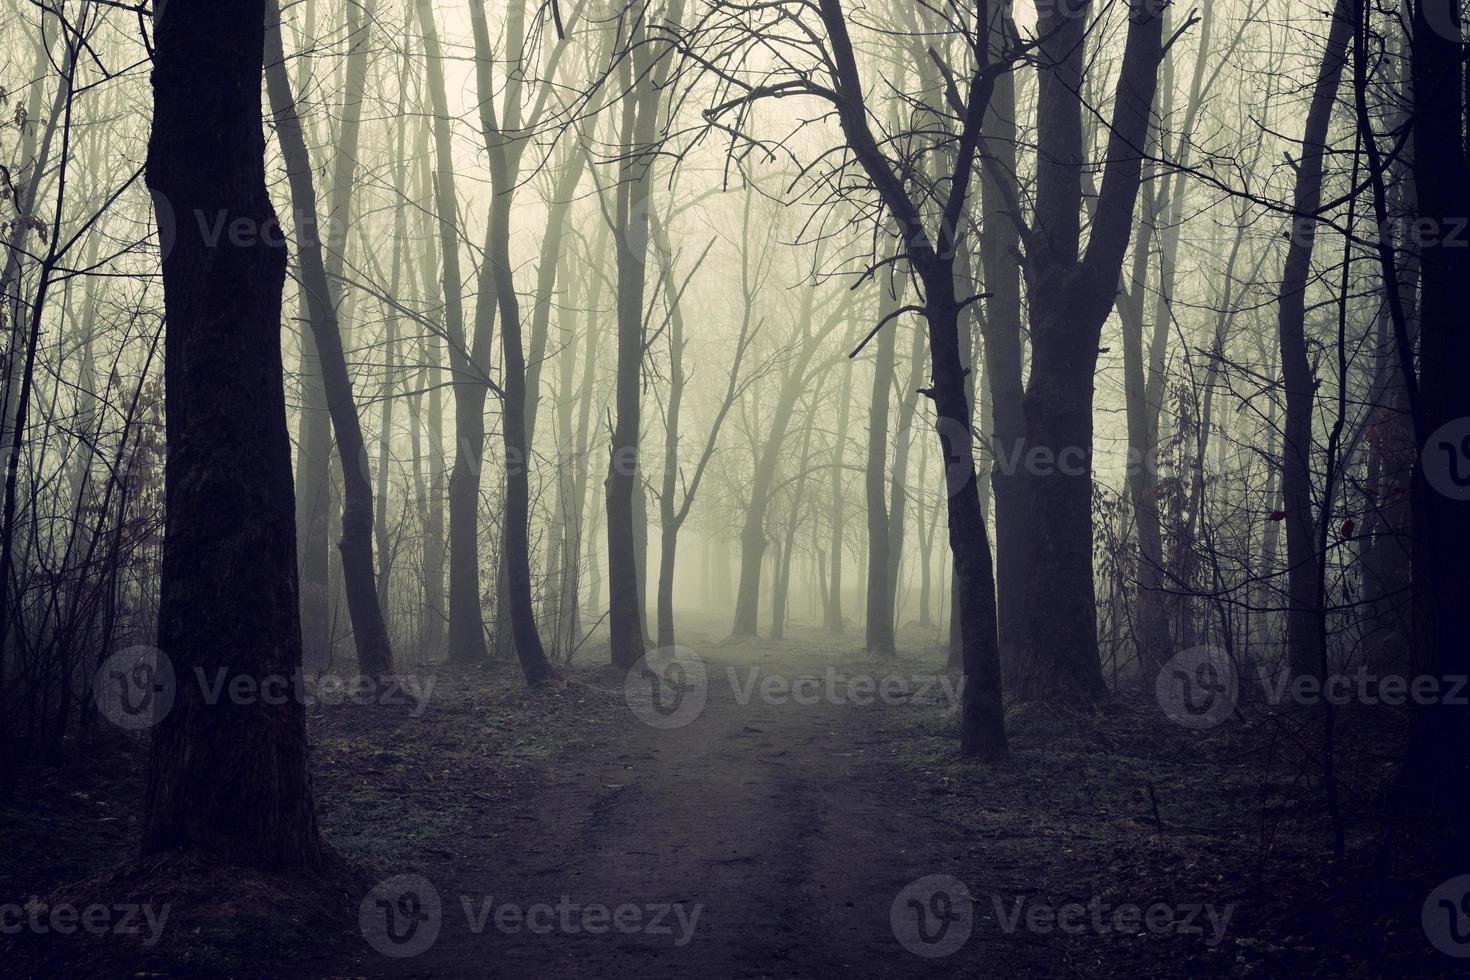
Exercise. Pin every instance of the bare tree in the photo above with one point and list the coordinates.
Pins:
(374, 652)
(228, 591)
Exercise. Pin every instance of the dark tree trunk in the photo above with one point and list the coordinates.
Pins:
(982, 716)
(982, 723)
(1000, 249)
(1305, 639)
(313, 499)
(504, 168)
(532, 655)
(370, 633)
(630, 235)
(898, 491)
(1387, 538)
(833, 619)
(468, 366)
(230, 779)
(879, 619)
(1439, 761)
(1071, 295)
(781, 586)
(1151, 631)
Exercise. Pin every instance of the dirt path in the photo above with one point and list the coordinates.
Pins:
(763, 839)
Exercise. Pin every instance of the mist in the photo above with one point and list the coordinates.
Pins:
(798, 488)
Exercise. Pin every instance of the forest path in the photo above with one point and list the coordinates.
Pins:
(776, 820)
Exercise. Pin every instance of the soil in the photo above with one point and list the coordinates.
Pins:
(774, 835)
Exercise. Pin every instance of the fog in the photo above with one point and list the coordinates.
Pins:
(847, 480)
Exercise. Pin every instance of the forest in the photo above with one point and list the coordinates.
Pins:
(734, 488)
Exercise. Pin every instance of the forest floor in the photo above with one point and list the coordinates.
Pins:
(779, 829)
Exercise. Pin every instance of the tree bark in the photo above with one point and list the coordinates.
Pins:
(833, 620)
(1438, 763)
(1304, 637)
(898, 490)
(645, 70)
(370, 633)
(879, 619)
(468, 368)
(230, 779)
(504, 153)
(982, 715)
(1071, 295)
(1000, 250)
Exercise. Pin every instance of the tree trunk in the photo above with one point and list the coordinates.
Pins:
(879, 620)
(1071, 296)
(431, 502)
(370, 633)
(1304, 637)
(230, 779)
(645, 70)
(982, 720)
(1152, 617)
(926, 548)
(468, 366)
(833, 620)
(319, 415)
(391, 354)
(504, 156)
(583, 464)
(781, 586)
(1438, 763)
(1000, 249)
